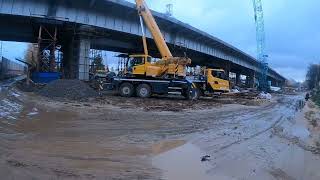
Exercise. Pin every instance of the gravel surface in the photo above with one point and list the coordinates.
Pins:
(68, 89)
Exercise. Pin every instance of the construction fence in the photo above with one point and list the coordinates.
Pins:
(9, 68)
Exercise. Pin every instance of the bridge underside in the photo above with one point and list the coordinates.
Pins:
(76, 40)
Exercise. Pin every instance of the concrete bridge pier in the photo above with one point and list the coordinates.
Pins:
(83, 59)
(238, 79)
(275, 83)
(76, 55)
(227, 69)
(68, 61)
(250, 79)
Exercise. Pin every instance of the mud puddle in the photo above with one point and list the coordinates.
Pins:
(182, 162)
(294, 162)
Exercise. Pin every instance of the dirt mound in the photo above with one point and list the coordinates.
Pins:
(68, 89)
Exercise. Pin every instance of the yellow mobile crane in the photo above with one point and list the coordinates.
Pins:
(144, 77)
(168, 66)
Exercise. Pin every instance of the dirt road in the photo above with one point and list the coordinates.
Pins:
(117, 138)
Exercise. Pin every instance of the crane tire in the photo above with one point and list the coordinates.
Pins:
(193, 94)
(126, 90)
(143, 91)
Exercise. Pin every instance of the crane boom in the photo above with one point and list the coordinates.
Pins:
(150, 22)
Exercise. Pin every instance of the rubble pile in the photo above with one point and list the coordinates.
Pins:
(68, 89)
(244, 95)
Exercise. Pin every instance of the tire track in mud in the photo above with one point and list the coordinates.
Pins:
(252, 136)
(230, 117)
(279, 132)
(297, 141)
(263, 113)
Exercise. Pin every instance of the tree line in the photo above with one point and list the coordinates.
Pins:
(313, 76)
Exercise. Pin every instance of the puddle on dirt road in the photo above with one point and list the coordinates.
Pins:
(165, 146)
(183, 161)
(297, 163)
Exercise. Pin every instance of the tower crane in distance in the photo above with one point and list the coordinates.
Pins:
(261, 45)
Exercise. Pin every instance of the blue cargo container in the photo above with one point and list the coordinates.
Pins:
(45, 77)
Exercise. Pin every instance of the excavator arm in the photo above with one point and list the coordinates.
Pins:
(153, 27)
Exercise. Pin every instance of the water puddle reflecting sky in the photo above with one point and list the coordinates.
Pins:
(183, 162)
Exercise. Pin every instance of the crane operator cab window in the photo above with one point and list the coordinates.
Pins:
(149, 59)
(219, 74)
(136, 61)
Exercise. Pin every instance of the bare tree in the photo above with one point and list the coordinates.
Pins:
(31, 55)
(31, 58)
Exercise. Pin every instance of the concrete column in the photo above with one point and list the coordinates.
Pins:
(69, 61)
(274, 83)
(227, 69)
(76, 45)
(238, 79)
(250, 80)
(76, 61)
(83, 58)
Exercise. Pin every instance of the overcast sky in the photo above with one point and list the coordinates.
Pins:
(292, 29)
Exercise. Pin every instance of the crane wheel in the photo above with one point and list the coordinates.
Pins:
(193, 94)
(126, 90)
(143, 91)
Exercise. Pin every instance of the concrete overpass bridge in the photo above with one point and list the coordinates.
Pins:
(113, 25)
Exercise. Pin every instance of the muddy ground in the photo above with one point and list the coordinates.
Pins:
(160, 138)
